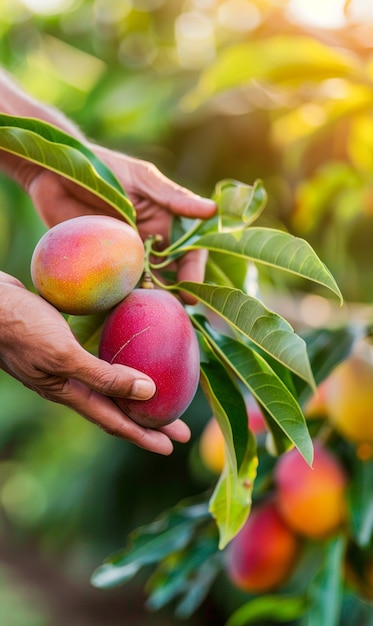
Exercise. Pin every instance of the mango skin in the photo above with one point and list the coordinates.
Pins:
(262, 555)
(87, 264)
(349, 399)
(312, 501)
(151, 332)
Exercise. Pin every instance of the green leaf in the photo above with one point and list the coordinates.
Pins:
(269, 331)
(269, 607)
(280, 60)
(188, 573)
(238, 204)
(48, 146)
(277, 442)
(274, 248)
(231, 501)
(326, 590)
(264, 384)
(199, 585)
(326, 347)
(227, 405)
(230, 504)
(228, 271)
(150, 544)
(361, 502)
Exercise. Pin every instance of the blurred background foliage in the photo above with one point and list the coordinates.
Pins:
(207, 89)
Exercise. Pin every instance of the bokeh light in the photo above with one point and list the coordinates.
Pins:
(48, 8)
(321, 13)
(194, 33)
(239, 15)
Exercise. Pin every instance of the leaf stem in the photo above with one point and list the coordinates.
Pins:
(184, 238)
(149, 267)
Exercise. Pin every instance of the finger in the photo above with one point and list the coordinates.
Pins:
(178, 199)
(112, 380)
(191, 266)
(178, 431)
(141, 388)
(102, 411)
(10, 280)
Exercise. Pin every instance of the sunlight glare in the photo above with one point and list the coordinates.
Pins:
(47, 8)
(320, 13)
(361, 11)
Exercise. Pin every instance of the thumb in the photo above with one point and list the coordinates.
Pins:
(113, 380)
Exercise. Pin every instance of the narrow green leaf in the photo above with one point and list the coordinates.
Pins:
(199, 586)
(264, 384)
(274, 248)
(269, 607)
(145, 552)
(227, 405)
(48, 146)
(187, 573)
(56, 135)
(228, 271)
(326, 348)
(327, 588)
(269, 331)
(230, 504)
(231, 501)
(150, 544)
(361, 502)
(276, 439)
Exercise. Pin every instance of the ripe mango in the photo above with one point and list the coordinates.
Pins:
(261, 556)
(87, 264)
(151, 331)
(312, 500)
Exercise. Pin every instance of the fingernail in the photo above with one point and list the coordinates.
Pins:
(143, 389)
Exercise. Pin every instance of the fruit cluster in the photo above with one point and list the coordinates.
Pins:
(300, 503)
(305, 503)
(93, 264)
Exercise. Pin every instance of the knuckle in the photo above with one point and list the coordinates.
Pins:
(108, 384)
(53, 389)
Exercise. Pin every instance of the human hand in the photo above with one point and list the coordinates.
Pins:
(38, 348)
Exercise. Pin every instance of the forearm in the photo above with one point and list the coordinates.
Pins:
(14, 101)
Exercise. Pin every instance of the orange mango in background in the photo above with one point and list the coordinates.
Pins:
(349, 399)
(317, 404)
(211, 443)
(212, 447)
(262, 555)
(311, 500)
